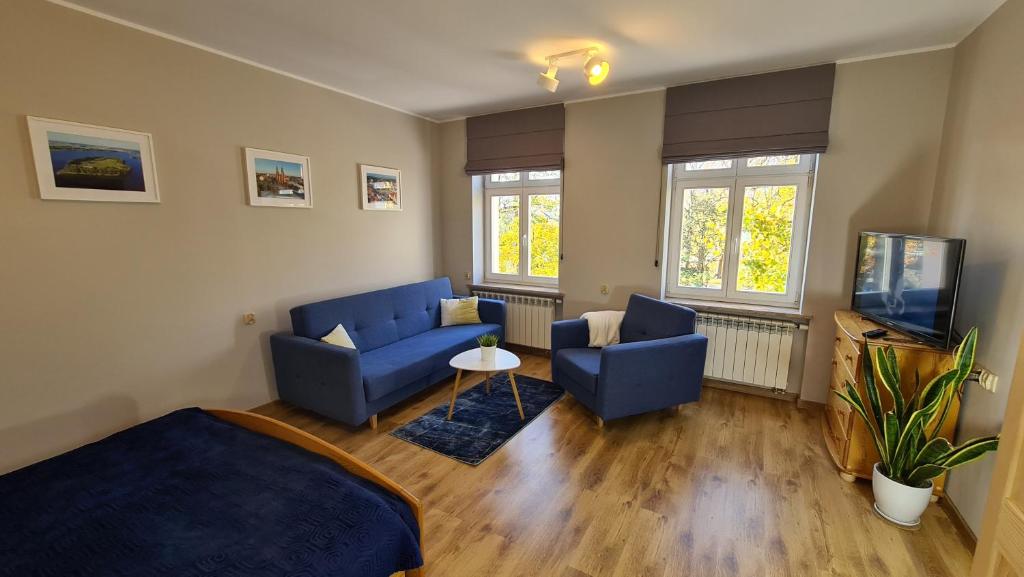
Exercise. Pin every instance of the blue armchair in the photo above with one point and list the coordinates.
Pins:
(658, 364)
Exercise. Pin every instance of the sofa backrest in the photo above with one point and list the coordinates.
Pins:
(648, 319)
(377, 318)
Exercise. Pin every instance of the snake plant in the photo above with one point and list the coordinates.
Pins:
(488, 340)
(909, 453)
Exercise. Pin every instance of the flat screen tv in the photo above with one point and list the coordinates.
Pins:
(909, 283)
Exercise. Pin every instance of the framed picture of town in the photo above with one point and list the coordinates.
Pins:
(380, 188)
(84, 162)
(278, 179)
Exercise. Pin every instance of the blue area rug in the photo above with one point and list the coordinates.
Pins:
(481, 423)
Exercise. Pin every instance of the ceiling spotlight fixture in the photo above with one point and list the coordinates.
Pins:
(595, 68)
(547, 80)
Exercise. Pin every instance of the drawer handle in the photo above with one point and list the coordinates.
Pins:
(849, 358)
(838, 339)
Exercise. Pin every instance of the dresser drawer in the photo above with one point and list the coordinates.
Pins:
(847, 351)
(837, 409)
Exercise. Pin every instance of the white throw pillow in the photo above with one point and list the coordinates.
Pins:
(339, 336)
(460, 311)
(604, 327)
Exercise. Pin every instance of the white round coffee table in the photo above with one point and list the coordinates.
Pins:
(471, 361)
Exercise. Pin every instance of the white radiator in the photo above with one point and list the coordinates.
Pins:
(529, 318)
(747, 350)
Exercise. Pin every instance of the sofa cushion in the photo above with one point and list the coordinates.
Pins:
(389, 368)
(339, 338)
(377, 318)
(648, 319)
(581, 365)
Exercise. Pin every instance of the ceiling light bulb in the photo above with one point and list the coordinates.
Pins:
(547, 80)
(596, 69)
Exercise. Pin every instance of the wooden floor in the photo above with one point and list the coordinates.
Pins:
(735, 485)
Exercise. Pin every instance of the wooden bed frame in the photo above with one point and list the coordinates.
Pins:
(298, 437)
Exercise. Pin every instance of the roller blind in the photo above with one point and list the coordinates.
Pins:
(783, 112)
(528, 139)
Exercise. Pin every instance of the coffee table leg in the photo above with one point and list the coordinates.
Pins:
(455, 392)
(487, 383)
(515, 392)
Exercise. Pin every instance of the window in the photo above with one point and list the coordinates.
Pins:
(521, 234)
(738, 227)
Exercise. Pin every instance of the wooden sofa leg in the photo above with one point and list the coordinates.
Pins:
(373, 422)
(600, 422)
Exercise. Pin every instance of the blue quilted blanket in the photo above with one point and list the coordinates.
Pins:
(188, 495)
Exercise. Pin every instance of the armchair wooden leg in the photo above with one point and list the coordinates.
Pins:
(600, 422)
(373, 422)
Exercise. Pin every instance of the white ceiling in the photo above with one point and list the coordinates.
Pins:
(445, 59)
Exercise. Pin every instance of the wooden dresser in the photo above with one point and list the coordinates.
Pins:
(846, 436)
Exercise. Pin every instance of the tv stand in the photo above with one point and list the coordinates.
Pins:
(848, 440)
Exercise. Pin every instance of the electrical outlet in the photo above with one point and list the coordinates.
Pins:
(249, 319)
(604, 289)
(988, 380)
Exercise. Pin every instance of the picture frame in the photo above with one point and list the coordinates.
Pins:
(380, 188)
(76, 161)
(278, 179)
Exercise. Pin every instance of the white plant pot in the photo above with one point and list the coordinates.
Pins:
(487, 353)
(897, 502)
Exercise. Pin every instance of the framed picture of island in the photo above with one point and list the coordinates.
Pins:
(84, 162)
(380, 188)
(278, 179)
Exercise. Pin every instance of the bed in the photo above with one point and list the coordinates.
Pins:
(208, 492)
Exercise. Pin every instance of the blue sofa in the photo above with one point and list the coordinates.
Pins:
(401, 349)
(659, 362)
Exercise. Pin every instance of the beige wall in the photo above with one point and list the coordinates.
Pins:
(463, 233)
(878, 174)
(612, 191)
(979, 196)
(114, 313)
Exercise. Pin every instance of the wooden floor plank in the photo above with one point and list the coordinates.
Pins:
(736, 485)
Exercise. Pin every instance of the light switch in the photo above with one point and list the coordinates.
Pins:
(604, 289)
(249, 319)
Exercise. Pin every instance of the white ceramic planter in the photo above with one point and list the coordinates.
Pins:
(487, 353)
(897, 502)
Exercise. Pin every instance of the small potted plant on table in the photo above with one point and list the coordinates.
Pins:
(488, 344)
(906, 437)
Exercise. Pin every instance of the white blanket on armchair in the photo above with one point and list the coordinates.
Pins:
(604, 327)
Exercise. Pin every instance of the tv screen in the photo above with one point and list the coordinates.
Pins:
(909, 283)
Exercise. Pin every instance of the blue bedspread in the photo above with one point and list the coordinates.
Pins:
(187, 495)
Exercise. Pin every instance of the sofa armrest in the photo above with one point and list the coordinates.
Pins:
(570, 334)
(492, 311)
(671, 369)
(319, 376)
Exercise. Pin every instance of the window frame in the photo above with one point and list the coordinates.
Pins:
(736, 179)
(524, 188)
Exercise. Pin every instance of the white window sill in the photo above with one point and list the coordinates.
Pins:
(776, 313)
